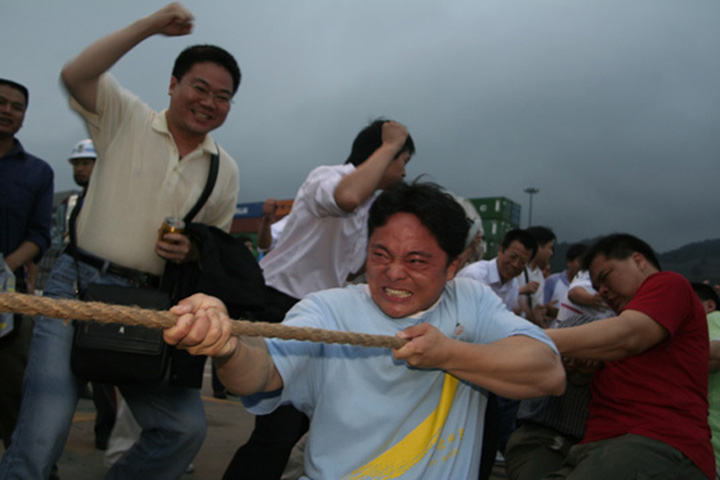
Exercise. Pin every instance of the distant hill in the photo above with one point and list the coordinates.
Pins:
(696, 261)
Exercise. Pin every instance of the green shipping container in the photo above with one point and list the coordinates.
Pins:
(496, 229)
(491, 248)
(497, 208)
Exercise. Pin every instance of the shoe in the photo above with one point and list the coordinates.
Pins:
(54, 473)
(190, 468)
(221, 394)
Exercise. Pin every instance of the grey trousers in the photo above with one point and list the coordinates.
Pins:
(628, 457)
(534, 451)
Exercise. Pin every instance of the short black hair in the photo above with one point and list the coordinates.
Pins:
(206, 53)
(17, 86)
(706, 292)
(619, 246)
(574, 251)
(522, 236)
(435, 208)
(370, 139)
(542, 235)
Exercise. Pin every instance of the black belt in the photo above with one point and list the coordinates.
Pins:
(138, 277)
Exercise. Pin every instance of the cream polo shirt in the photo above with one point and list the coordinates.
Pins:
(138, 180)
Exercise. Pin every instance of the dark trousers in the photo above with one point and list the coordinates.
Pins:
(491, 434)
(14, 350)
(628, 457)
(266, 453)
(507, 415)
(535, 450)
(106, 407)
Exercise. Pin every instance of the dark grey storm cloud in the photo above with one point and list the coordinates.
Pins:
(610, 108)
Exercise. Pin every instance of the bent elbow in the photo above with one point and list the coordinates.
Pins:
(554, 380)
(69, 76)
(549, 381)
(347, 203)
(558, 377)
(556, 386)
(65, 77)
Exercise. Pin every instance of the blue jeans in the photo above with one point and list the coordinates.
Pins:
(172, 418)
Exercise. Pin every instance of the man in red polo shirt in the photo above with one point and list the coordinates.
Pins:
(648, 413)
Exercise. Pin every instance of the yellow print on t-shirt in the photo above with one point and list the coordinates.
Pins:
(396, 461)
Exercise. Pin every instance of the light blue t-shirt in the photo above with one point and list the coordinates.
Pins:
(373, 416)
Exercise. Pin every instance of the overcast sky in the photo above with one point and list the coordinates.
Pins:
(611, 108)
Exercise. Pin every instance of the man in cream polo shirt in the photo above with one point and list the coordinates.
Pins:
(150, 165)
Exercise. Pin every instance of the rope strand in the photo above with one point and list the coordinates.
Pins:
(66, 309)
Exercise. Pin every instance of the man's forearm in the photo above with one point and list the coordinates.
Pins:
(515, 367)
(581, 296)
(24, 253)
(81, 74)
(610, 338)
(264, 238)
(249, 369)
(359, 185)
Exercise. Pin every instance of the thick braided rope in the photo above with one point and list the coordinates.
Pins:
(107, 313)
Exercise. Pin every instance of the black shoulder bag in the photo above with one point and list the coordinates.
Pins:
(225, 269)
(121, 354)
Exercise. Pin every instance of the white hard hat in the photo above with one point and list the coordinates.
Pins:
(84, 149)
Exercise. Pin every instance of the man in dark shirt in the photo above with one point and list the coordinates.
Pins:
(26, 192)
(26, 186)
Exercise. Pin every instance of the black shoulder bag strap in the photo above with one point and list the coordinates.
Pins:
(72, 221)
(172, 271)
(209, 185)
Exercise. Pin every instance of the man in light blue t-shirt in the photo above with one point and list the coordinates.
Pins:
(415, 411)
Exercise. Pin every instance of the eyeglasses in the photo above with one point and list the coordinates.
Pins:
(203, 91)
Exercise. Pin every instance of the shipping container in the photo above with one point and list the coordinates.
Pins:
(515, 215)
(248, 210)
(496, 229)
(245, 225)
(497, 208)
(491, 248)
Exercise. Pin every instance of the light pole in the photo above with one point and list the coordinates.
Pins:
(531, 191)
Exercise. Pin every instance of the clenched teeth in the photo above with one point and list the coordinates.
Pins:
(397, 293)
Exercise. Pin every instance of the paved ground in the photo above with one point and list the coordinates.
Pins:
(229, 426)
